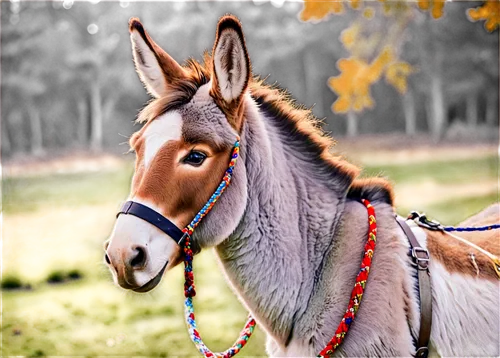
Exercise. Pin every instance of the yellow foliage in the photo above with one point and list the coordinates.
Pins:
(424, 4)
(368, 13)
(437, 9)
(357, 76)
(397, 74)
(489, 11)
(355, 4)
(314, 10)
(378, 43)
(348, 37)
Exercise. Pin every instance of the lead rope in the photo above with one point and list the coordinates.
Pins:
(189, 289)
(245, 334)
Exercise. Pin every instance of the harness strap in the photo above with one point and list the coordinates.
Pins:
(420, 257)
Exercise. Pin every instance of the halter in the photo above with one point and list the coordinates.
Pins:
(183, 239)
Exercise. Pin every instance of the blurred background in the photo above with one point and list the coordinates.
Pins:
(409, 90)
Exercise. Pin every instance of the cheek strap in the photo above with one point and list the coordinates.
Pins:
(152, 217)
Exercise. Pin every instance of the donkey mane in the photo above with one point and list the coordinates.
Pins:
(298, 120)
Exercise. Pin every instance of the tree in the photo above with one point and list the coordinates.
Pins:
(373, 41)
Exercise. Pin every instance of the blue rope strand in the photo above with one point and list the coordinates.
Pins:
(479, 228)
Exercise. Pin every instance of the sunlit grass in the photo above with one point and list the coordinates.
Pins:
(58, 238)
(69, 190)
(452, 212)
(30, 194)
(93, 317)
(442, 172)
(55, 224)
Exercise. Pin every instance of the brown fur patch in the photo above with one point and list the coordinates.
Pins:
(178, 189)
(455, 256)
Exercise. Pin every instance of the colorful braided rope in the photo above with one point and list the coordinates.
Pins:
(190, 292)
(189, 289)
(218, 192)
(359, 286)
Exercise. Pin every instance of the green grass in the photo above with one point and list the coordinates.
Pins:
(35, 193)
(443, 172)
(452, 212)
(95, 318)
(62, 221)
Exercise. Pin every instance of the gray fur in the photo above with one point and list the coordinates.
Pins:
(288, 262)
(290, 242)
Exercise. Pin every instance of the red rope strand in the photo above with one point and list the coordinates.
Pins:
(359, 286)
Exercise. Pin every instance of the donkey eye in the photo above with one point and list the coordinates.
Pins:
(195, 158)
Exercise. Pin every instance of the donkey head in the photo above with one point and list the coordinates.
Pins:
(182, 153)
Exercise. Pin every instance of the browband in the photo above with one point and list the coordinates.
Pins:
(152, 217)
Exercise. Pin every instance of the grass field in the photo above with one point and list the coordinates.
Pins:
(53, 230)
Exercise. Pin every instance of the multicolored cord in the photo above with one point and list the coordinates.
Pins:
(359, 286)
(218, 192)
(189, 289)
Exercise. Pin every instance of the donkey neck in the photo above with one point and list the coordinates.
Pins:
(294, 202)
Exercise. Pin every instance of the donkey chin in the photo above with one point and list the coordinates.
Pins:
(138, 254)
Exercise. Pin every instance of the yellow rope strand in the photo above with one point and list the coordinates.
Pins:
(474, 263)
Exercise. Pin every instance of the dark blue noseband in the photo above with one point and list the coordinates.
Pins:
(152, 217)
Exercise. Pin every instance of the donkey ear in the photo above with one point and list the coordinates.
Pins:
(156, 69)
(231, 64)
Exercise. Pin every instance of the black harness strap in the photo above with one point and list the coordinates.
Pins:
(152, 217)
(420, 257)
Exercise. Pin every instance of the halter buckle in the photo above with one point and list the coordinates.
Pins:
(422, 352)
(420, 257)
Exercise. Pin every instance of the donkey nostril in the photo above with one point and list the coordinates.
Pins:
(106, 257)
(139, 259)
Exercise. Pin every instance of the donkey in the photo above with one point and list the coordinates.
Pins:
(289, 231)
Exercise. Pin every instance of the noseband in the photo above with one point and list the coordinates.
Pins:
(154, 218)
(168, 227)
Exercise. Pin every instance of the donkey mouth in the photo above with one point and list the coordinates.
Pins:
(153, 283)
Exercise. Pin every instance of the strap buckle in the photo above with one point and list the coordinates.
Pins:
(420, 257)
(422, 352)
